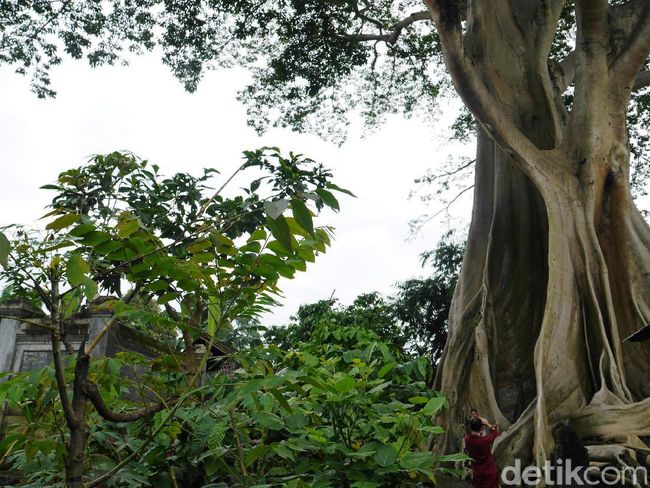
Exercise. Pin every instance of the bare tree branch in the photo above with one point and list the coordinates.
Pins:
(92, 392)
(392, 36)
(637, 48)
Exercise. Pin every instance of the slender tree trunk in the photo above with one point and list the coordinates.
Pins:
(75, 468)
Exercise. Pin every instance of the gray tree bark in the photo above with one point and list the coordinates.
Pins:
(557, 266)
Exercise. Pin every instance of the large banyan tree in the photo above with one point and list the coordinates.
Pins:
(557, 266)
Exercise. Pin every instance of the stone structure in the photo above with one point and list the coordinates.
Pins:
(24, 345)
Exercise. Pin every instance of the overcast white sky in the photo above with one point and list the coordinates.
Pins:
(142, 108)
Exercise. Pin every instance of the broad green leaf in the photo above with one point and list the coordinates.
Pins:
(416, 460)
(167, 297)
(199, 246)
(433, 429)
(158, 285)
(275, 209)
(89, 287)
(128, 227)
(256, 453)
(70, 303)
(309, 359)
(269, 420)
(297, 421)
(418, 400)
(5, 249)
(297, 264)
(433, 406)
(280, 230)
(345, 384)
(257, 235)
(95, 237)
(284, 452)
(328, 198)
(387, 368)
(385, 456)
(302, 215)
(76, 269)
(81, 230)
(62, 222)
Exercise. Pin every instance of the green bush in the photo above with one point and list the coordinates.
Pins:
(343, 409)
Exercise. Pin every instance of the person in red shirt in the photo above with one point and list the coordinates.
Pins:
(479, 448)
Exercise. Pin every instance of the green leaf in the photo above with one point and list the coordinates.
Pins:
(387, 368)
(418, 400)
(63, 222)
(257, 235)
(417, 460)
(167, 297)
(76, 269)
(452, 458)
(281, 400)
(81, 230)
(89, 287)
(217, 435)
(214, 315)
(269, 420)
(128, 227)
(385, 456)
(345, 384)
(342, 190)
(199, 246)
(433, 429)
(5, 249)
(328, 198)
(309, 359)
(280, 230)
(434, 405)
(256, 453)
(275, 209)
(297, 421)
(302, 215)
(96, 237)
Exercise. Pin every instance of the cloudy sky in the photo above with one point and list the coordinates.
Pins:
(142, 108)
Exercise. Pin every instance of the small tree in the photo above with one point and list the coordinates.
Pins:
(206, 258)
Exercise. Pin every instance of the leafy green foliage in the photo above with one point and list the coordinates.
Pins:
(343, 408)
(307, 58)
(413, 320)
(177, 244)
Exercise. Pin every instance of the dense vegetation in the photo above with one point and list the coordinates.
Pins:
(342, 397)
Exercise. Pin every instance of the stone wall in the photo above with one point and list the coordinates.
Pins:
(26, 345)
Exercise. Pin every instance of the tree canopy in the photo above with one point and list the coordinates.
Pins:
(313, 62)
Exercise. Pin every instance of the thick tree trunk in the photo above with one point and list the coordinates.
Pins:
(557, 266)
(550, 285)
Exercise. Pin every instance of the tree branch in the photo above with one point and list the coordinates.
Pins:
(637, 48)
(70, 417)
(392, 36)
(111, 322)
(565, 72)
(92, 392)
(642, 80)
(476, 96)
